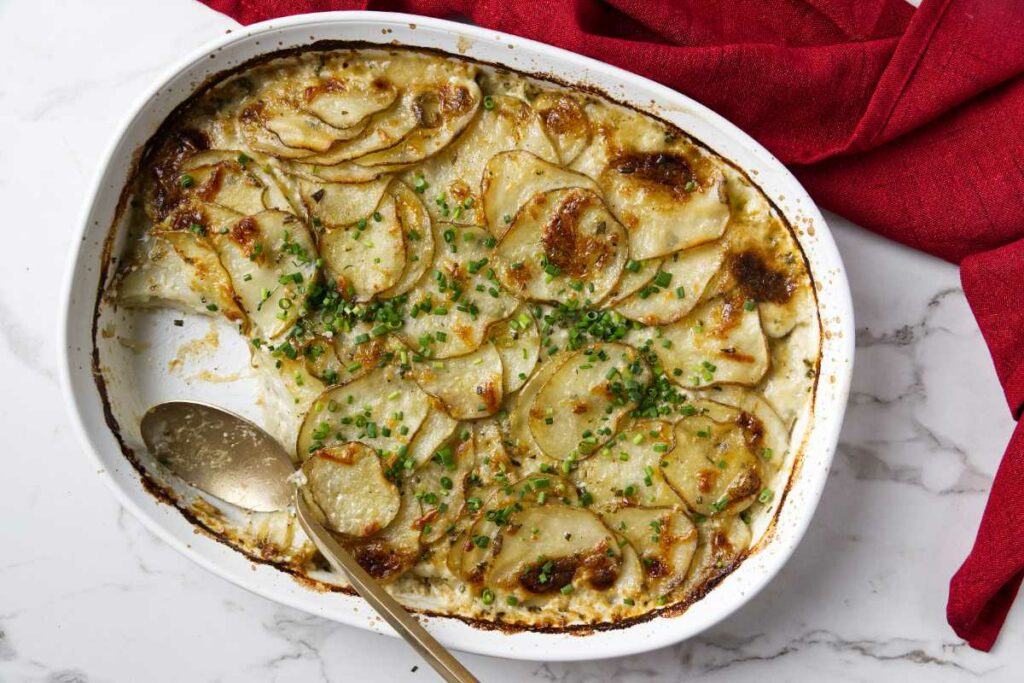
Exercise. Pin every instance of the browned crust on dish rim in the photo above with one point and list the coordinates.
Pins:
(165, 494)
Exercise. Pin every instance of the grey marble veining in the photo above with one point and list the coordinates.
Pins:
(87, 594)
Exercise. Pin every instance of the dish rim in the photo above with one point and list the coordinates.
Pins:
(643, 636)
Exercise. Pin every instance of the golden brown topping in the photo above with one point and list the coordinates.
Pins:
(245, 232)
(165, 192)
(664, 168)
(758, 281)
(753, 430)
(574, 252)
(455, 99)
(378, 559)
(564, 116)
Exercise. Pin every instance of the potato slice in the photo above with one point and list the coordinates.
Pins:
(562, 242)
(494, 468)
(301, 130)
(511, 178)
(470, 386)
(369, 257)
(519, 419)
(380, 409)
(271, 124)
(340, 204)
(635, 275)
(565, 122)
(345, 100)
(628, 469)
(437, 428)
(779, 319)
(442, 110)
(767, 434)
(392, 551)
(340, 360)
(718, 342)
(346, 484)
(419, 238)
(579, 408)
(454, 176)
(345, 172)
(665, 538)
(712, 466)
(246, 175)
(178, 269)
(229, 186)
(271, 259)
(440, 487)
(549, 547)
(666, 192)
(676, 288)
(443, 326)
(721, 542)
(252, 120)
(472, 552)
(517, 341)
(384, 130)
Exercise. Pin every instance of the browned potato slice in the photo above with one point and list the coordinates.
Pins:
(665, 538)
(238, 181)
(666, 192)
(343, 101)
(511, 178)
(721, 542)
(560, 243)
(299, 130)
(346, 484)
(442, 111)
(392, 551)
(549, 547)
(712, 466)
(718, 342)
(565, 122)
(454, 176)
(271, 259)
(767, 433)
(384, 130)
(178, 269)
(472, 552)
(579, 408)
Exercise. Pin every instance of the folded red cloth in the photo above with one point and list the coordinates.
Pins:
(907, 122)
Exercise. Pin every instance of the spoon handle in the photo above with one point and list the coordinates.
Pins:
(373, 592)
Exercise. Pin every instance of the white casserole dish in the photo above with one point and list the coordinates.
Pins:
(819, 434)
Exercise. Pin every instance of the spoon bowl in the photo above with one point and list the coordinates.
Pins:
(220, 453)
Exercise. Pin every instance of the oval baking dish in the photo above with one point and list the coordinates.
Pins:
(92, 390)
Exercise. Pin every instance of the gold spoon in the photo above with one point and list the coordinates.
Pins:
(231, 458)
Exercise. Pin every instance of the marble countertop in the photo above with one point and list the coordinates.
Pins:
(87, 594)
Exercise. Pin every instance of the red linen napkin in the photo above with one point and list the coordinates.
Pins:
(910, 123)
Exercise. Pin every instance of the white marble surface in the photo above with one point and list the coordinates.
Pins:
(86, 594)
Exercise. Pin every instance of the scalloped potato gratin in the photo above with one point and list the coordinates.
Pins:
(542, 353)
